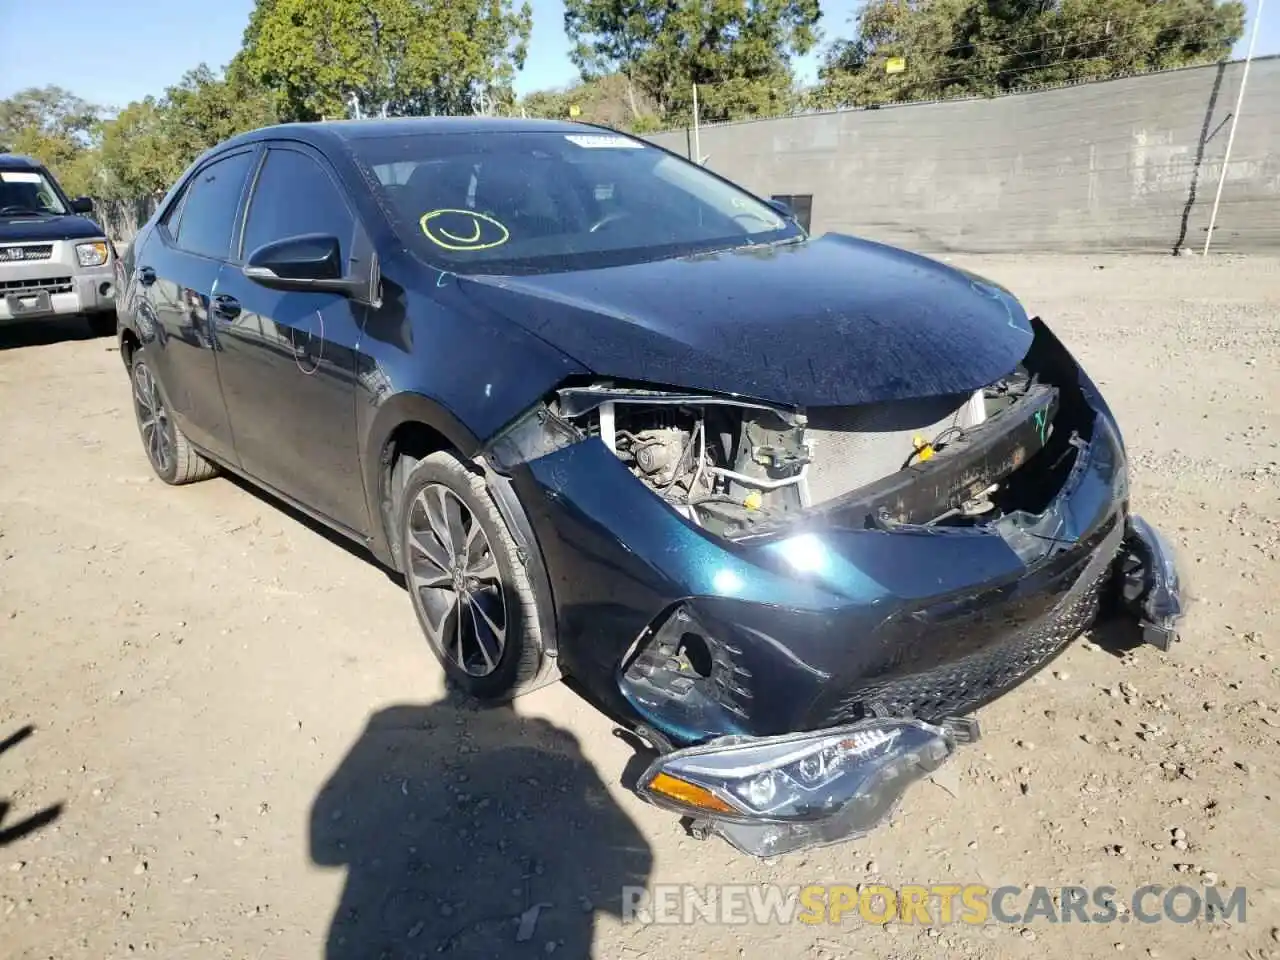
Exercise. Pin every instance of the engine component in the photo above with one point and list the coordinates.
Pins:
(854, 446)
(744, 468)
(657, 452)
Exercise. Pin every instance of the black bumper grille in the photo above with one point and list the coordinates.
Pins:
(36, 285)
(26, 252)
(963, 685)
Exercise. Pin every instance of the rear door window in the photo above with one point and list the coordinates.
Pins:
(208, 213)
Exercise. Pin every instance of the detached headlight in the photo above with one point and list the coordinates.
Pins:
(92, 254)
(773, 795)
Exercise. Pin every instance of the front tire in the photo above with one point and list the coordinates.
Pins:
(172, 457)
(468, 586)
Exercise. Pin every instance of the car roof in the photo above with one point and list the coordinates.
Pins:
(16, 161)
(334, 132)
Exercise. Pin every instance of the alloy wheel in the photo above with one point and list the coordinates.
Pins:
(153, 419)
(455, 580)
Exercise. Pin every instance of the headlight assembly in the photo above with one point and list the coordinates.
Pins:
(92, 254)
(773, 795)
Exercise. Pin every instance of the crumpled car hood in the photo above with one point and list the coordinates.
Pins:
(824, 322)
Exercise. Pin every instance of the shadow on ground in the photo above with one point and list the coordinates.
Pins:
(1117, 633)
(317, 527)
(12, 831)
(46, 331)
(471, 832)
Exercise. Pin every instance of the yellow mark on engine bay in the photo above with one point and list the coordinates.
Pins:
(463, 221)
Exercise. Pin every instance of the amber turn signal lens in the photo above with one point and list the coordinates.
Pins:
(689, 794)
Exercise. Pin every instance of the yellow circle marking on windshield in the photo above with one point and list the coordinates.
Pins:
(467, 240)
(451, 241)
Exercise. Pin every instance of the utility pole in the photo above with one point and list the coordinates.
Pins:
(697, 143)
(1235, 119)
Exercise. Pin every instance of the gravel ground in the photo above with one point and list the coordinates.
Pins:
(248, 752)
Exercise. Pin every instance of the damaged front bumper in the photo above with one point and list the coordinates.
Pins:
(1148, 586)
(772, 795)
(739, 656)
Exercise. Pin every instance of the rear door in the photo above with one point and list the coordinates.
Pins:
(288, 359)
(175, 278)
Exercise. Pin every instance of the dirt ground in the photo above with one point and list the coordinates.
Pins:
(248, 752)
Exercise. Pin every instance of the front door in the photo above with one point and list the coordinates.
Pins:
(175, 276)
(288, 358)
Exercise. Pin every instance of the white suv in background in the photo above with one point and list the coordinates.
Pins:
(53, 260)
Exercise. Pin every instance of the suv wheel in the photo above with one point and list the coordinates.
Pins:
(172, 457)
(468, 586)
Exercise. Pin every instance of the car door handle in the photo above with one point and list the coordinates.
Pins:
(146, 276)
(226, 306)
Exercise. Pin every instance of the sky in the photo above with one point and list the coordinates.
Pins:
(114, 53)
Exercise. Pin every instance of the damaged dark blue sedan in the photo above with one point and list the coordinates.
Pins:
(790, 508)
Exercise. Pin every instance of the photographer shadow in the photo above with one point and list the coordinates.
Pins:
(11, 832)
(472, 832)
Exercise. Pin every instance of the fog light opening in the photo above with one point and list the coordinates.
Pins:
(686, 680)
(105, 289)
(694, 651)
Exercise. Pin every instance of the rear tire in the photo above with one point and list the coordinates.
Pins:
(171, 455)
(469, 589)
(103, 323)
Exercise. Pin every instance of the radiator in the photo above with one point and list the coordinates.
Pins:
(854, 446)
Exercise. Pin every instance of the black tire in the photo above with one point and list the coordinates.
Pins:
(171, 455)
(518, 666)
(103, 323)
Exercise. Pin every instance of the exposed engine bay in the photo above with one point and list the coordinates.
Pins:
(739, 468)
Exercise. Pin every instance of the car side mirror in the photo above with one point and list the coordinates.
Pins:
(309, 262)
(82, 205)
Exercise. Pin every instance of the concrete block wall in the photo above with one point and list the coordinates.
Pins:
(1118, 165)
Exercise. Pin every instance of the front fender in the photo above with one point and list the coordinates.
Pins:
(432, 356)
(392, 413)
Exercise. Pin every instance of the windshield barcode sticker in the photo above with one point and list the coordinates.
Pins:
(599, 141)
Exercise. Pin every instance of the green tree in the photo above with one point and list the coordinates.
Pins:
(57, 128)
(322, 58)
(137, 156)
(984, 47)
(609, 99)
(147, 146)
(51, 111)
(739, 52)
(203, 109)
